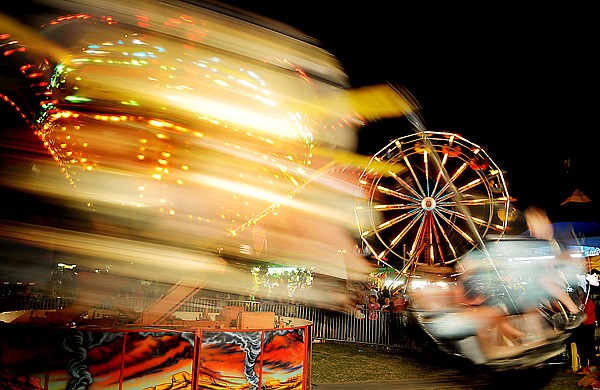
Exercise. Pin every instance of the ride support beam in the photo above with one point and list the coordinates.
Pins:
(163, 308)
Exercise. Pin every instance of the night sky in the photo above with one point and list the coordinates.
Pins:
(520, 82)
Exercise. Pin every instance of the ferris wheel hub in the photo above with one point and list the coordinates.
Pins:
(428, 203)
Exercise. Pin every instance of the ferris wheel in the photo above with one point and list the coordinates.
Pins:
(430, 198)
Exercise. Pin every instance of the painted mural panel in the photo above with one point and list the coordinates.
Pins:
(229, 360)
(267, 360)
(24, 356)
(83, 359)
(283, 359)
(92, 360)
(158, 360)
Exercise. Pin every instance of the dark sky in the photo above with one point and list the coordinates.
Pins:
(520, 82)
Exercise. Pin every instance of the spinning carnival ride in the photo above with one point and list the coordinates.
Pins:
(204, 129)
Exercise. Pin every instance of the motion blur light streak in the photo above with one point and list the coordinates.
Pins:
(187, 127)
(120, 253)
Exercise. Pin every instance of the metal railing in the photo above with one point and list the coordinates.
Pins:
(388, 329)
(23, 302)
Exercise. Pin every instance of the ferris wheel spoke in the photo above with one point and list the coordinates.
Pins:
(477, 221)
(457, 214)
(398, 206)
(444, 199)
(474, 219)
(497, 227)
(375, 164)
(426, 176)
(386, 207)
(398, 238)
(479, 181)
(418, 237)
(454, 226)
(434, 246)
(446, 238)
(457, 173)
(473, 202)
(446, 149)
(394, 193)
(484, 201)
(463, 189)
(404, 184)
(450, 199)
(470, 185)
(409, 165)
(404, 231)
(389, 223)
(439, 176)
